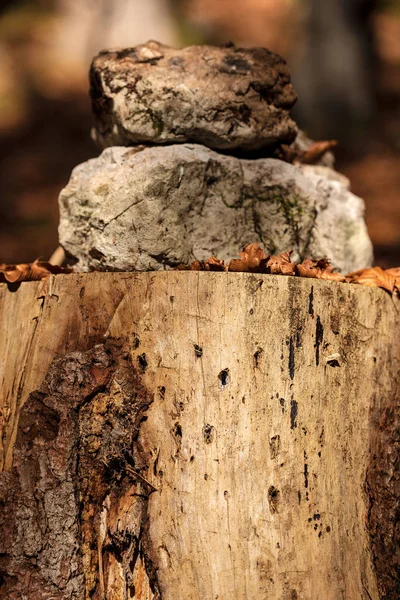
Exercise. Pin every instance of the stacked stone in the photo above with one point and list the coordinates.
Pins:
(188, 169)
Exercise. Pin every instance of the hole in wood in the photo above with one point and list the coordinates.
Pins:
(178, 430)
(142, 361)
(198, 351)
(273, 498)
(208, 433)
(257, 356)
(224, 378)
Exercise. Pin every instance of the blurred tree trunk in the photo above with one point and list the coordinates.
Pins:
(183, 436)
(335, 76)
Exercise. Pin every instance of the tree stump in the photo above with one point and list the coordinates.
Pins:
(194, 435)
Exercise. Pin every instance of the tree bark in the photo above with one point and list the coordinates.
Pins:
(190, 436)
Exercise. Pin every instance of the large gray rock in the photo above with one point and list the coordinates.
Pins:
(222, 97)
(153, 208)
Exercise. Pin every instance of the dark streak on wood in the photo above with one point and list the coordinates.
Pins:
(319, 336)
(291, 358)
(311, 302)
(293, 413)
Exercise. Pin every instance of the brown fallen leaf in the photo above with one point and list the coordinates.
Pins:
(211, 264)
(396, 274)
(307, 268)
(281, 265)
(318, 269)
(373, 277)
(316, 151)
(214, 264)
(331, 275)
(252, 259)
(395, 271)
(29, 271)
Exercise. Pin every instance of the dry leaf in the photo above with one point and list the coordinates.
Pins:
(252, 259)
(316, 151)
(396, 274)
(211, 264)
(281, 265)
(331, 275)
(214, 264)
(307, 268)
(318, 269)
(29, 271)
(373, 277)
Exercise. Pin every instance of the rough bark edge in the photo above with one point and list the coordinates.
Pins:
(383, 490)
(65, 443)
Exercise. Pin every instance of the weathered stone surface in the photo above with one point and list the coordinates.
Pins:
(222, 97)
(153, 208)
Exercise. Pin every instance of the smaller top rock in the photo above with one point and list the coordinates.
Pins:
(222, 97)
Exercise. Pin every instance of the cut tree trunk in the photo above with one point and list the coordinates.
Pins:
(198, 436)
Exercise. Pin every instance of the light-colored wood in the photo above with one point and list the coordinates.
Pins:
(257, 442)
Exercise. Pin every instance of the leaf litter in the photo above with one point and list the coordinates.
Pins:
(29, 271)
(252, 259)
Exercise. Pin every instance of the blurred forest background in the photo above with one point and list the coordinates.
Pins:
(344, 56)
